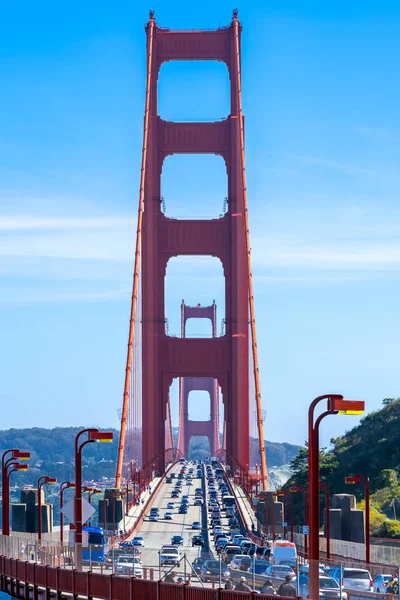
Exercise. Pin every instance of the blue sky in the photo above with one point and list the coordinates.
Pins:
(320, 94)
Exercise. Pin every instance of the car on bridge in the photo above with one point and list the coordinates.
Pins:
(171, 505)
(259, 565)
(153, 518)
(169, 555)
(221, 542)
(210, 571)
(197, 540)
(328, 588)
(138, 540)
(279, 572)
(168, 516)
(198, 501)
(128, 564)
(381, 583)
(353, 579)
(196, 525)
(229, 552)
(177, 540)
(183, 509)
(241, 562)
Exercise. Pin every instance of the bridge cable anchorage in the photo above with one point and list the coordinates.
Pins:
(125, 405)
(263, 465)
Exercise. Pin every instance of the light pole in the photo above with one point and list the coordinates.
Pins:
(9, 457)
(92, 435)
(336, 404)
(284, 493)
(63, 486)
(16, 467)
(364, 481)
(304, 491)
(291, 518)
(325, 487)
(41, 481)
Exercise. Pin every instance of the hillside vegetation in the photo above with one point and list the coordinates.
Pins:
(52, 453)
(372, 448)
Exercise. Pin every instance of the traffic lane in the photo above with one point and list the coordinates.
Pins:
(158, 534)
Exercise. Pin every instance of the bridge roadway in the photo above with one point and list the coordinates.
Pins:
(158, 534)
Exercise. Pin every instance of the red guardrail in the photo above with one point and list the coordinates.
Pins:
(16, 574)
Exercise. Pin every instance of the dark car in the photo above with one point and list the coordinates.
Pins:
(260, 567)
(183, 509)
(197, 540)
(177, 540)
(198, 563)
(210, 570)
(174, 494)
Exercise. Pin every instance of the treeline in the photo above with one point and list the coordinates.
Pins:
(52, 453)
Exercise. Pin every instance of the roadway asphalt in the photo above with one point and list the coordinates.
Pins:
(158, 534)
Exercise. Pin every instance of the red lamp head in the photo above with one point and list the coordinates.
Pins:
(19, 467)
(50, 480)
(21, 455)
(296, 488)
(101, 436)
(346, 407)
(353, 479)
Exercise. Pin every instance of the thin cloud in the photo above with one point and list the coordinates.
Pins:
(32, 223)
(331, 164)
(32, 297)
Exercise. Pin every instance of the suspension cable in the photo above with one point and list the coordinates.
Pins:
(264, 476)
(128, 371)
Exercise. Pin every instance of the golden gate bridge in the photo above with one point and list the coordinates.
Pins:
(154, 359)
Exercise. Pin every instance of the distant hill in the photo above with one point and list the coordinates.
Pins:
(52, 452)
(278, 453)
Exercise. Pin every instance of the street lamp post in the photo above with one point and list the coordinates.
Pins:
(304, 491)
(64, 485)
(336, 404)
(364, 481)
(284, 493)
(93, 435)
(16, 467)
(9, 457)
(291, 518)
(41, 481)
(325, 487)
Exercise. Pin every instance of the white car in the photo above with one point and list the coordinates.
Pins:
(129, 565)
(237, 561)
(171, 505)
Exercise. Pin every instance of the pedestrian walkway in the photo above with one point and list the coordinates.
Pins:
(244, 506)
(136, 511)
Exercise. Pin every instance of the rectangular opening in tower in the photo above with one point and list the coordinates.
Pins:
(199, 448)
(198, 281)
(194, 186)
(193, 90)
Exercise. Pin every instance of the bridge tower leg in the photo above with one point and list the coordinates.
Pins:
(164, 358)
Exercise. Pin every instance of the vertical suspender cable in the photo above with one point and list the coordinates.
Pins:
(264, 477)
(128, 372)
